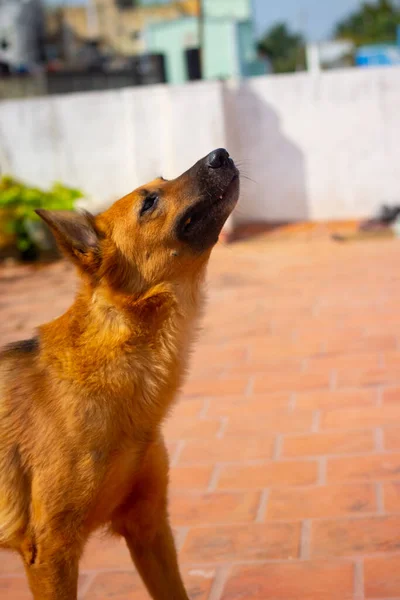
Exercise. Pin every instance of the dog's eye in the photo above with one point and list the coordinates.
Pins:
(148, 203)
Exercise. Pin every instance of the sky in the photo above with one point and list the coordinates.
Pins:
(314, 18)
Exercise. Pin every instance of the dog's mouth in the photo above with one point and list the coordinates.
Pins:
(201, 223)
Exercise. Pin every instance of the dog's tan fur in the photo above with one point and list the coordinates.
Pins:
(82, 405)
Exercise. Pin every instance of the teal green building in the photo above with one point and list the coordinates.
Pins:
(229, 45)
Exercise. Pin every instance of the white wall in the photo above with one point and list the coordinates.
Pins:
(319, 147)
(324, 146)
(108, 143)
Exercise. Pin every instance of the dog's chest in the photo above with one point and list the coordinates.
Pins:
(116, 484)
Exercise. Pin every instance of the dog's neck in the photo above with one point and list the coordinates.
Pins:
(117, 346)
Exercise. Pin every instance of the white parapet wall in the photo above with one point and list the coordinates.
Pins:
(317, 146)
(108, 143)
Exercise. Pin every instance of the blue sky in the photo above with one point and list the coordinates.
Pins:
(315, 18)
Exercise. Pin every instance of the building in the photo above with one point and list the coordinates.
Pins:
(172, 28)
(120, 24)
(377, 55)
(331, 54)
(226, 37)
(21, 35)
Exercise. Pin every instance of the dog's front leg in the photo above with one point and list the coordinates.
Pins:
(143, 521)
(52, 568)
(156, 561)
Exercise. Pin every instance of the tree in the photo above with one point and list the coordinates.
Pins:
(374, 23)
(285, 49)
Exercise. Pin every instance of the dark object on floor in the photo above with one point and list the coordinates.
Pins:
(377, 226)
(386, 216)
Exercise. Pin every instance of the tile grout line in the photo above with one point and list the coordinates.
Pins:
(321, 479)
(379, 440)
(215, 475)
(316, 418)
(250, 387)
(292, 401)
(204, 411)
(305, 540)
(262, 507)
(304, 365)
(379, 395)
(220, 581)
(380, 503)
(84, 589)
(222, 428)
(358, 580)
(177, 454)
(333, 380)
(182, 535)
(278, 445)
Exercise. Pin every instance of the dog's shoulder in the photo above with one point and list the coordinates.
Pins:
(22, 347)
(20, 353)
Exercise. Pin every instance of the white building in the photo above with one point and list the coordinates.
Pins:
(21, 33)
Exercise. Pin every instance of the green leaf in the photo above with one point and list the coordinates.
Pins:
(22, 201)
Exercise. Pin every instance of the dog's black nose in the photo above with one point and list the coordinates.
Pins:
(217, 158)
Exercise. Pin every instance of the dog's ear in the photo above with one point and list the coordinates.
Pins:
(76, 235)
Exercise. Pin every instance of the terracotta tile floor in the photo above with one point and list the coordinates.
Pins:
(285, 445)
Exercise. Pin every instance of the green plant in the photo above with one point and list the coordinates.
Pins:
(372, 23)
(19, 202)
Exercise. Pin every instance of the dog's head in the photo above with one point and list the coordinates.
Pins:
(162, 231)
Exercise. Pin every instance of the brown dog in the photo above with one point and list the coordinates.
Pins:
(81, 405)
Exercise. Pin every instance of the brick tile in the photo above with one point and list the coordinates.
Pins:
(342, 361)
(391, 395)
(171, 448)
(293, 302)
(392, 438)
(382, 577)
(187, 478)
(268, 366)
(216, 387)
(367, 376)
(347, 343)
(120, 585)
(316, 444)
(106, 552)
(273, 348)
(187, 408)
(363, 416)
(14, 588)
(335, 399)
(269, 474)
(391, 496)
(175, 429)
(217, 507)
(10, 563)
(292, 581)
(392, 359)
(291, 382)
(275, 422)
(218, 356)
(228, 449)
(350, 537)
(241, 406)
(243, 542)
(368, 468)
(321, 501)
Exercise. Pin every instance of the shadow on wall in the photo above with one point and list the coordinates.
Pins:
(257, 142)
